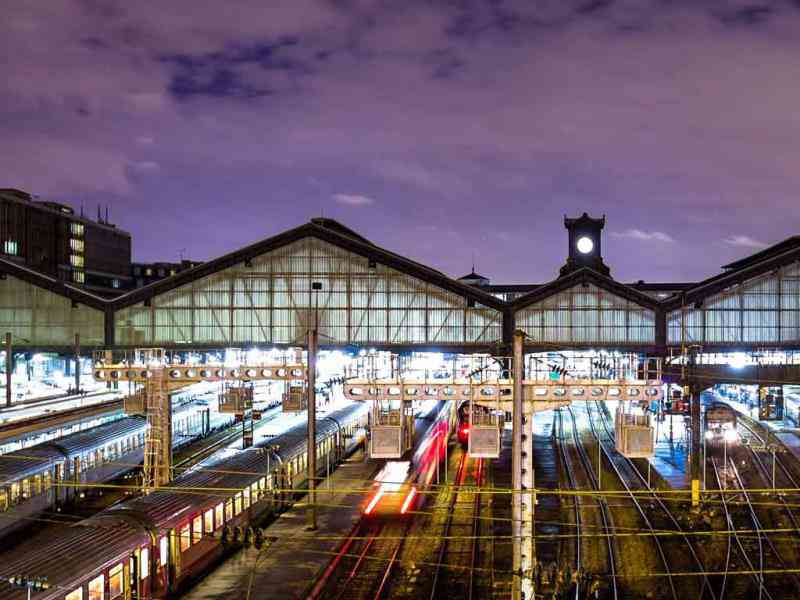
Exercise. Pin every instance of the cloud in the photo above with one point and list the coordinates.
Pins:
(644, 236)
(353, 199)
(744, 241)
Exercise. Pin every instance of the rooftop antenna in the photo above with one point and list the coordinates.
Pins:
(106, 213)
(81, 209)
(473, 261)
(99, 216)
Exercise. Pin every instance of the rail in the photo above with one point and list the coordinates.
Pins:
(610, 458)
(468, 520)
(605, 513)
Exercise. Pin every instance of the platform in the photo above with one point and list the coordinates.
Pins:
(292, 558)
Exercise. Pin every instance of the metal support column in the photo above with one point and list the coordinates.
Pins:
(522, 481)
(694, 407)
(77, 363)
(311, 513)
(9, 368)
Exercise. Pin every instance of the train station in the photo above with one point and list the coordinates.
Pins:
(315, 416)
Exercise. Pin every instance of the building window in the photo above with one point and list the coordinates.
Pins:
(10, 247)
(161, 273)
(148, 272)
(78, 276)
(76, 229)
(76, 245)
(137, 271)
(115, 283)
(171, 272)
(76, 260)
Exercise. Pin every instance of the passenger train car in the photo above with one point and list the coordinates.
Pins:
(47, 476)
(400, 486)
(720, 423)
(149, 547)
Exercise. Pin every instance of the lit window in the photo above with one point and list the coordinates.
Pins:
(97, 588)
(219, 514)
(78, 276)
(163, 552)
(76, 229)
(186, 538)
(76, 260)
(76, 245)
(148, 272)
(238, 503)
(115, 283)
(76, 595)
(208, 523)
(115, 582)
(228, 510)
(197, 529)
(10, 247)
(171, 272)
(144, 563)
(246, 494)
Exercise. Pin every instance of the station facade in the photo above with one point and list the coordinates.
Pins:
(359, 294)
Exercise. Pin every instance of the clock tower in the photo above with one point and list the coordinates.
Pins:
(585, 244)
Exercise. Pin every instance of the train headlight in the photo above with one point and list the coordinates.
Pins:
(709, 434)
(731, 435)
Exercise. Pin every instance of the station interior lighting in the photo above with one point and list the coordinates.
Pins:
(739, 360)
(730, 435)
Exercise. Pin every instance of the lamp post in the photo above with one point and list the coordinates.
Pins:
(313, 342)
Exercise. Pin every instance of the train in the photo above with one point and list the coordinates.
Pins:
(462, 425)
(720, 421)
(154, 545)
(399, 487)
(48, 476)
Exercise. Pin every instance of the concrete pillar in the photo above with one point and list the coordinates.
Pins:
(522, 500)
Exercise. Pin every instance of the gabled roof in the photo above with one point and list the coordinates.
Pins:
(326, 230)
(749, 270)
(789, 243)
(585, 275)
(473, 275)
(55, 286)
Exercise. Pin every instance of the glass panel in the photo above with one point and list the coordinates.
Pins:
(218, 514)
(115, 582)
(163, 551)
(208, 524)
(144, 563)
(185, 538)
(97, 588)
(76, 595)
(197, 529)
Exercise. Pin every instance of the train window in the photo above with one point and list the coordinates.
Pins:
(246, 498)
(237, 501)
(144, 562)
(115, 582)
(197, 529)
(229, 509)
(208, 521)
(163, 551)
(97, 588)
(75, 595)
(218, 514)
(48, 480)
(3, 500)
(262, 484)
(186, 538)
(37, 484)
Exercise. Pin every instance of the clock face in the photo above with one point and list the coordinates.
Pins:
(585, 245)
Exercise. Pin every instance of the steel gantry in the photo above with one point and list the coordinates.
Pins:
(159, 375)
(521, 392)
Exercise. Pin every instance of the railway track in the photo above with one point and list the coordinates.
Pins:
(679, 543)
(363, 567)
(454, 573)
(736, 538)
(628, 476)
(600, 504)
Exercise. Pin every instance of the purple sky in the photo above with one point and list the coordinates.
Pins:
(435, 128)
